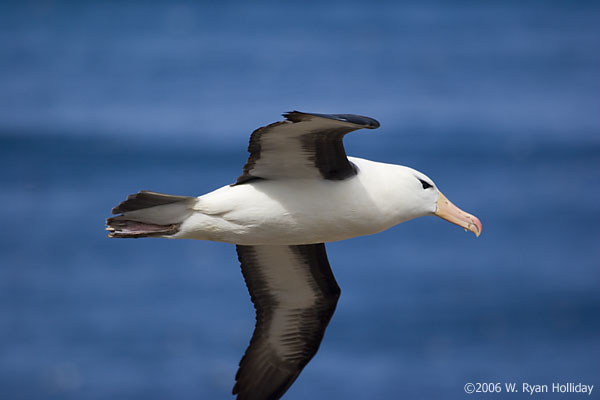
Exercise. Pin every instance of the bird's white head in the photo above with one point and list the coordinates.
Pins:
(422, 196)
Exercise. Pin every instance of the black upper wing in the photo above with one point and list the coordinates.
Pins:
(295, 294)
(304, 145)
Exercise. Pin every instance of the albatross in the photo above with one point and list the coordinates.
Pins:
(298, 190)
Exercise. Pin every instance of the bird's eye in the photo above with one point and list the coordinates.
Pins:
(426, 185)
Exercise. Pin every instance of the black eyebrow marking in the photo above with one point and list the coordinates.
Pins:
(425, 184)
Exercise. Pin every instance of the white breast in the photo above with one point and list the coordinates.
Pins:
(300, 211)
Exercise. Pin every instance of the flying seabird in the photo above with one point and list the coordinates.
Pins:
(297, 191)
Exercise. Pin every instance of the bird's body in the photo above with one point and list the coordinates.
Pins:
(303, 211)
(298, 191)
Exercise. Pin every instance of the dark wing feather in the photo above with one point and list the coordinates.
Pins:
(295, 294)
(304, 145)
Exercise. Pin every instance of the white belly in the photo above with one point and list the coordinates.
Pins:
(295, 211)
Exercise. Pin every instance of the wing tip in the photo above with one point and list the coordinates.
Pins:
(360, 120)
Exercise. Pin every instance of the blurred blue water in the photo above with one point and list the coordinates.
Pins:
(498, 103)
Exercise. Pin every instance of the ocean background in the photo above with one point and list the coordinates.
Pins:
(497, 101)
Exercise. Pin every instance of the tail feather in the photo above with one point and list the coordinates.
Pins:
(147, 214)
(134, 229)
(145, 199)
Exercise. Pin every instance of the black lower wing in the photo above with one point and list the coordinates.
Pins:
(295, 294)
